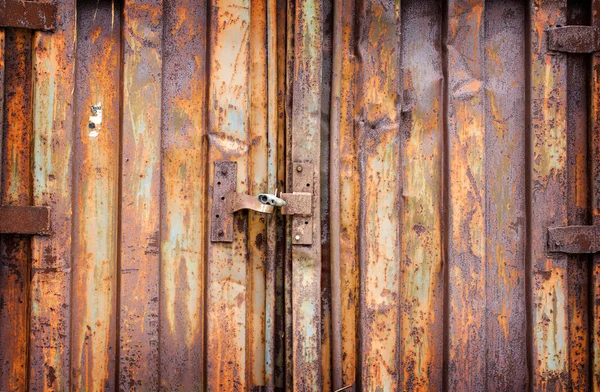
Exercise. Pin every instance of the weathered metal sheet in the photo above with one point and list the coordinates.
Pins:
(505, 196)
(306, 147)
(421, 134)
(548, 75)
(184, 220)
(96, 200)
(378, 93)
(594, 172)
(229, 138)
(16, 178)
(444, 147)
(53, 127)
(466, 271)
(141, 126)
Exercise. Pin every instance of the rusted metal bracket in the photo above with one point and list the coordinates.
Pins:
(299, 203)
(226, 201)
(574, 239)
(27, 14)
(24, 220)
(574, 39)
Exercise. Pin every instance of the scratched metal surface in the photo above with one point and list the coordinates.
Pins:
(445, 137)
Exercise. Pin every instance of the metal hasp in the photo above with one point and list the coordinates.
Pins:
(574, 39)
(27, 15)
(226, 201)
(299, 203)
(574, 239)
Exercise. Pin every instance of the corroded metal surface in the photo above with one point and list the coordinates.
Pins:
(444, 148)
(28, 14)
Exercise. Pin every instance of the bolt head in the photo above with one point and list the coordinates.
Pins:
(299, 168)
(297, 237)
(221, 233)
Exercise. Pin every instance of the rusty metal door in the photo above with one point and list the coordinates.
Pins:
(439, 162)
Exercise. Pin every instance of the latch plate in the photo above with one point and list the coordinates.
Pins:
(226, 201)
(224, 184)
(302, 184)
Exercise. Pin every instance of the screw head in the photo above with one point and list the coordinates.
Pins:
(221, 233)
(297, 237)
(299, 168)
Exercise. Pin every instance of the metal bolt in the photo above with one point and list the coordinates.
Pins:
(299, 168)
(221, 233)
(297, 237)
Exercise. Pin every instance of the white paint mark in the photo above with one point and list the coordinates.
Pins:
(95, 122)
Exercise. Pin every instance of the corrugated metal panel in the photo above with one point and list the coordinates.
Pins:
(444, 139)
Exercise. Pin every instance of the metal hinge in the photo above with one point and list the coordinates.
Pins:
(574, 39)
(226, 201)
(24, 220)
(27, 15)
(574, 239)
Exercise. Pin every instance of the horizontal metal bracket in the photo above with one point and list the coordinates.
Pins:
(27, 14)
(24, 220)
(226, 201)
(574, 239)
(574, 39)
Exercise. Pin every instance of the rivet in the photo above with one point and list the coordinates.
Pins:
(297, 237)
(221, 233)
(299, 168)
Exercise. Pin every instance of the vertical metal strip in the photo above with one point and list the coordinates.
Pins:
(184, 218)
(578, 202)
(272, 186)
(505, 199)
(550, 356)
(53, 93)
(16, 190)
(228, 134)
(334, 197)
(348, 196)
(258, 172)
(96, 173)
(421, 135)
(466, 231)
(140, 194)
(378, 125)
(305, 140)
(287, 273)
(594, 140)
